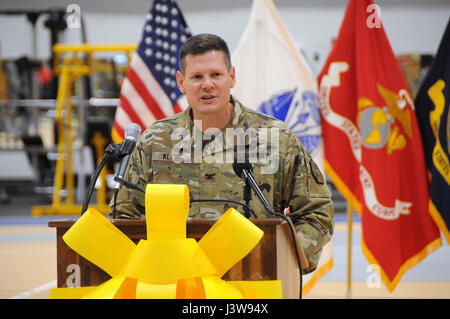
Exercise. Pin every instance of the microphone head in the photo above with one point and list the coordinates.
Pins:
(239, 167)
(133, 131)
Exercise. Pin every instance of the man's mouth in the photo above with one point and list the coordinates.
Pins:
(207, 97)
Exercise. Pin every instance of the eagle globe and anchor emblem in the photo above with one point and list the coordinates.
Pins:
(300, 111)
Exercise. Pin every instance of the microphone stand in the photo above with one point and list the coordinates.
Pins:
(247, 198)
(110, 150)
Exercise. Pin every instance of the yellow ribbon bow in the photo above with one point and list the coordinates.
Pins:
(167, 265)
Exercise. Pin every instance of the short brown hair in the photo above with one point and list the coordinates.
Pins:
(203, 43)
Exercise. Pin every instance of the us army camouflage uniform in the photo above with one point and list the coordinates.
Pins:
(298, 182)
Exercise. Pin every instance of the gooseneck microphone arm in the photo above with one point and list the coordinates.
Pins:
(248, 177)
(247, 198)
(109, 152)
(245, 171)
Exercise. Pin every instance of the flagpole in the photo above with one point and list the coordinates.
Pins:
(349, 250)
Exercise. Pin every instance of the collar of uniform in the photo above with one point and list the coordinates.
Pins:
(238, 113)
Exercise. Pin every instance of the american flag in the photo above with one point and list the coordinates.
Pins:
(149, 91)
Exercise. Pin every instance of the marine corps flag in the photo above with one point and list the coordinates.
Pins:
(274, 78)
(372, 144)
(432, 109)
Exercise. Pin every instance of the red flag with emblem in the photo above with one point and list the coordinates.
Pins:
(372, 144)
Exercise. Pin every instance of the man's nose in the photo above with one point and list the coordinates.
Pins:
(207, 82)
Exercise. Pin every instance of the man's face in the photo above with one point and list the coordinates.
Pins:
(207, 83)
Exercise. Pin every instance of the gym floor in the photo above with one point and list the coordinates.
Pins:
(28, 261)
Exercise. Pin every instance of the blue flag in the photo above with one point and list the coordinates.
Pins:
(432, 109)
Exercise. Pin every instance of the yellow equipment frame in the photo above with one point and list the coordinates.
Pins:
(73, 67)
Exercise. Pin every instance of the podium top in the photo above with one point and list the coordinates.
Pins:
(66, 223)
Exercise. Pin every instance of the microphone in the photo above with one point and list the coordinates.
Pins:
(122, 150)
(245, 171)
(132, 133)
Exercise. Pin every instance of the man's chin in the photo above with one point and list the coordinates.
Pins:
(207, 110)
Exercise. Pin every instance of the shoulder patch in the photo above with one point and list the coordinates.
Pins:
(316, 172)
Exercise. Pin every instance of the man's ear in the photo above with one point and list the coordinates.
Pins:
(233, 76)
(180, 81)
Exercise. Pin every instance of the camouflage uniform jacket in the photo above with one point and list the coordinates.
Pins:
(296, 182)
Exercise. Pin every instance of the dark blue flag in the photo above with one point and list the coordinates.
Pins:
(432, 109)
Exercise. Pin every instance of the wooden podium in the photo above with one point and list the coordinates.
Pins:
(272, 259)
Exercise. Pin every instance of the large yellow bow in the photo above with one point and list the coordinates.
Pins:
(167, 265)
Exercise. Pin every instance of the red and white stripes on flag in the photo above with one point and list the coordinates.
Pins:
(149, 91)
(142, 100)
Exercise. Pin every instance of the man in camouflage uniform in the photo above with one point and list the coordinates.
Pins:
(198, 147)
